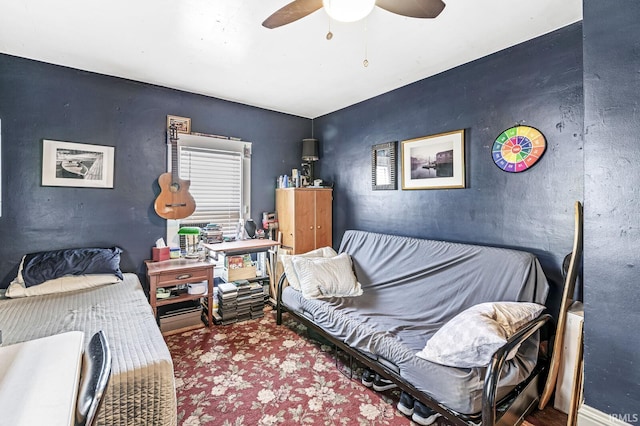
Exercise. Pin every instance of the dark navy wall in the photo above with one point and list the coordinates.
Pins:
(537, 83)
(612, 203)
(41, 101)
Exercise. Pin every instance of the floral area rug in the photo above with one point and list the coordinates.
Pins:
(258, 373)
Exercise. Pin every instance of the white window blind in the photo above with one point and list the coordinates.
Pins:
(216, 185)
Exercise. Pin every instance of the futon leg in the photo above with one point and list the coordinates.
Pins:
(279, 299)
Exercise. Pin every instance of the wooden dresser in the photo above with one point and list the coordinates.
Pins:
(304, 218)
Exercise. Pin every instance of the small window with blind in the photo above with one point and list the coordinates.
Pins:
(219, 171)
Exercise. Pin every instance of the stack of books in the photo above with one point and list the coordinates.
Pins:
(212, 234)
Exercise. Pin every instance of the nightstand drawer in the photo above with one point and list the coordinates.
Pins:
(167, 279)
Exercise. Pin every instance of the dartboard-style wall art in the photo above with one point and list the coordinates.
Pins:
(518, 148)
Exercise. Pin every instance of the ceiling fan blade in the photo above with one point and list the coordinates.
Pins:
(413, 8)
(292, 12)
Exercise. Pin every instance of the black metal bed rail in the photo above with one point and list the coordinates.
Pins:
(492, 376)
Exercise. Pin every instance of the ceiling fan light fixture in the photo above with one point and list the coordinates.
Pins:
(348, 10)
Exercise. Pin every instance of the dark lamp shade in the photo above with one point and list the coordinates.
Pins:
(310, 149)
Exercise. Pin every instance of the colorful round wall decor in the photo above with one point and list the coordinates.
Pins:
(518, 148)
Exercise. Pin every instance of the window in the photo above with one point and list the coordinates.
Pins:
(219, 171)
(216, 185)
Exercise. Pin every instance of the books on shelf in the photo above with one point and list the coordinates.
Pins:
(238, 261)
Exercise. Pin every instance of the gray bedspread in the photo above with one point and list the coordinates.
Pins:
(141, 390)
(411, 288)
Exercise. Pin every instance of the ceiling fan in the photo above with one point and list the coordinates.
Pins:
(352, 10)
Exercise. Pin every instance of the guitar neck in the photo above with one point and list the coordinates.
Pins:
(173, 139)
(174, 160)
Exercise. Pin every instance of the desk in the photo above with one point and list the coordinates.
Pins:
(39, 380)
(251, 246)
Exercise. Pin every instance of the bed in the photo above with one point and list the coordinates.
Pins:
(141, 390)
(411, 288)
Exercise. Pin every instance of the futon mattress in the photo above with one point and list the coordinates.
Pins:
(412, 287)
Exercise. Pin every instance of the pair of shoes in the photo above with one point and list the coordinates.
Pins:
(405, 405)
(380, 384)
(368, 377)
(423, 415)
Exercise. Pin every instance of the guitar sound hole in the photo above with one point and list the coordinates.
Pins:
(175, 187)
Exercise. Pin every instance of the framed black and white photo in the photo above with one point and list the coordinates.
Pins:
(434, 162)
(77, 164)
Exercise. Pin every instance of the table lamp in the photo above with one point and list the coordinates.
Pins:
(191, 237)
(310, 154)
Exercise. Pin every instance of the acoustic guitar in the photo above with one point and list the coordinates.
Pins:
(174, 200)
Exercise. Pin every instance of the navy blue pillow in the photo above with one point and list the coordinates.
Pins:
(48, 265)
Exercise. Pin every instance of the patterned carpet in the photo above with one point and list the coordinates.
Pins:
(257, 373)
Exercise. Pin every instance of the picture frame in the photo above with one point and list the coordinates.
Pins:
(384, 166)
(434, 162)
(77, 164)
(183, 124)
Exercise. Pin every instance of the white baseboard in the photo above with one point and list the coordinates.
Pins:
(588, 416)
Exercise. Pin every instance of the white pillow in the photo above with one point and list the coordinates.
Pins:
(19, 278)
(326, 277)
(290, 271)
(60, 285)
(472, 337)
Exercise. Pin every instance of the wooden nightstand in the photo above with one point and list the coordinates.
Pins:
(170, 273)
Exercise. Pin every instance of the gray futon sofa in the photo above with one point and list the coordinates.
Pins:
(411, 288)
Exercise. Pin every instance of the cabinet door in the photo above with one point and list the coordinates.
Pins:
(304, 214)
(284, 207)
(324, 200)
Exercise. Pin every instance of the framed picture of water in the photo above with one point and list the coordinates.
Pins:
(434, 162)
(77, 164)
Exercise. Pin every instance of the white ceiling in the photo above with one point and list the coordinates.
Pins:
(219, 48)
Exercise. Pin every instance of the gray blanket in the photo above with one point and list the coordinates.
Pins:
(411, 288)
(141, 390)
